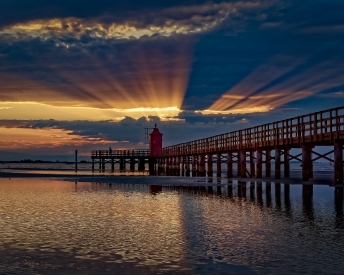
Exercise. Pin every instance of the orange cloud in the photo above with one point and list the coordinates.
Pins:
(20, 138)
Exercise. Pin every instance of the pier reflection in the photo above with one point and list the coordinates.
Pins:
(307, 201)
(338, 204)
(260, 223)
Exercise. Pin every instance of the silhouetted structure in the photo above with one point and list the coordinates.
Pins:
(255, 144)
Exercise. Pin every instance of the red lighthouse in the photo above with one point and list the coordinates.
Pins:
(155, 142)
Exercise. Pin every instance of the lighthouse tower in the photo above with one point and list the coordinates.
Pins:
(155, 142)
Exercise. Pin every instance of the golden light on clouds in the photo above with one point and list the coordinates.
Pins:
(27, 138)
(276, 83)
(37, 111)
(166, 22)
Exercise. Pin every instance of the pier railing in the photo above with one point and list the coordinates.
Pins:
(120, 153)
(322, 127)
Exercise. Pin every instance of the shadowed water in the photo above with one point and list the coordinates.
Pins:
(55, 227)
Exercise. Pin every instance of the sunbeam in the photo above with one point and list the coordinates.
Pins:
(280, 81)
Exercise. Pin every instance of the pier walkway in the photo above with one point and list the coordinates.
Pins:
(251, 148)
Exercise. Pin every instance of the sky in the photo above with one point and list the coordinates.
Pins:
(87, 74)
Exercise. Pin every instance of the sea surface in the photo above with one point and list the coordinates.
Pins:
(51, 226)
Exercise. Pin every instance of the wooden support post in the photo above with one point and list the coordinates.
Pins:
(243, 163)
(218, 164)
(168, 167)
(259, 163)
(268, 163)
(177, 165)
(103, 164)
(132, 164)
(277, 163)
(173, 166)
(187, 172)
(338, 162)
(112, 164)
(286, 163)
(122, 164)
(141, 164)
(210, 165)
(307, 166)
(151, 165)
(201, 169)
(100, 160)
(163, 166)
(239, 164)
(194, 166)
(92, 164)
(252, 164)
(183, 166)
(76, 160)
(229, 164)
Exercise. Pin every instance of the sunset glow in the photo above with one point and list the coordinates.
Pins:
(34, 110)
(89, 77)
(24, 138)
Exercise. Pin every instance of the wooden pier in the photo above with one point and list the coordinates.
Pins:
(256, 144)
(250, 149)
(122, 157)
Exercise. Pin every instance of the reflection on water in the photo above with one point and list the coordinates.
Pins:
(240, 228)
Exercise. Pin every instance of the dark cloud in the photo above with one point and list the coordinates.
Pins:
(77, 67)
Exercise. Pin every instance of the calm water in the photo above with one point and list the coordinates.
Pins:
(57, 227)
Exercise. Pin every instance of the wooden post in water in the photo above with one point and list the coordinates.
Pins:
(132, 164)
(188, 166)
(103, 164)
(229, 164)
(252, 164)
(142, 164)
(242, 163)
(307, 166)
(202, 172)
(210, 165)
(76, 160)
(239, 164)
(183, 166)
(277, 163)
(259, 163)
(194, 165)
(338, 162)
(286, 163)
(100, 161)
(268, 163)
(218, 164)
